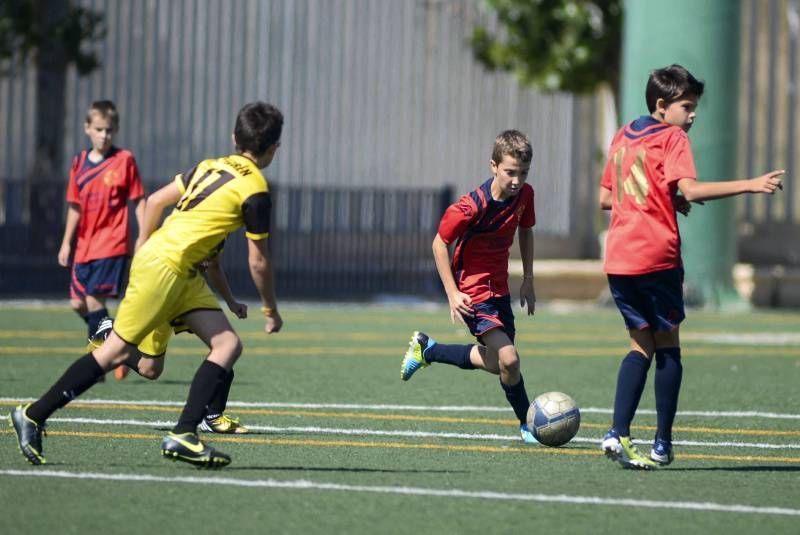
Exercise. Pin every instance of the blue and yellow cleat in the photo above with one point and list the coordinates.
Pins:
(187, 447)
(527, 435)
(29, 435)
(413, 359)
(662, 452)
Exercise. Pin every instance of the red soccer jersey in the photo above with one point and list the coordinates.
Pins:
(485, 230)
(645, 162)
(102, 191)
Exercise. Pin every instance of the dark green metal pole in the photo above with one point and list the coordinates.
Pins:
(703, 36)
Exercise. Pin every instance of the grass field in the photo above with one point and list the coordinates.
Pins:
(341, 445)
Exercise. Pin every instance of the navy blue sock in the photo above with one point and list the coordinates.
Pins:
(630, 385)
(669, 373)
(94, 318)
(76, 380)
(455, 354)
(206, 381)
(518, 399)
(85, 318)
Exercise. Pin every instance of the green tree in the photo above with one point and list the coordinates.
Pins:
(49, 35)
(554, 45)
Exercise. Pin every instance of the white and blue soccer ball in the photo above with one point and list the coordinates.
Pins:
(554, 418)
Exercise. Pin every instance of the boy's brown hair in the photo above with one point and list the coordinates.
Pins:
(512, 143)
(106, 109)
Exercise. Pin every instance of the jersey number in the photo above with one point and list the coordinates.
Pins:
(201, 187)
(635, 184)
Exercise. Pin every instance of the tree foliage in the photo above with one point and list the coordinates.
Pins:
(554, 45)
(29, 26)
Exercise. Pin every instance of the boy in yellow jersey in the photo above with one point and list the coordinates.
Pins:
(213, 199)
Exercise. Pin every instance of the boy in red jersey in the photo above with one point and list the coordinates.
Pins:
(650, 161)
(483, 224)
(101, 182)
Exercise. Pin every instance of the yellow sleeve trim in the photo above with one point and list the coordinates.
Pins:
(179, 181)
(256, 237)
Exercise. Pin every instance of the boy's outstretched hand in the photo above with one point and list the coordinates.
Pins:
(768, 183)
(527, 296)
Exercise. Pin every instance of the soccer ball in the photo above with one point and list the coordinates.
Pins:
(553, 418)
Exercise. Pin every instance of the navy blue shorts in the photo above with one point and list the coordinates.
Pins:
(102, 277)
(653, 300)
(494, 313)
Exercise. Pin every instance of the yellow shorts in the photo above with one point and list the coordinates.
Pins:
(154, 302)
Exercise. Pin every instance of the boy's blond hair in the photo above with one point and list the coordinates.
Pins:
(105, 109)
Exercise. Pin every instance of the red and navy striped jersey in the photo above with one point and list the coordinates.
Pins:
(646, 160)
(102, 191)
(485, 231)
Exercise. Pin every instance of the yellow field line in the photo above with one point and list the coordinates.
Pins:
(416, 418)
(411, 446)
(274, 350)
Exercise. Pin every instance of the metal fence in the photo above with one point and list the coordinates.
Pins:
(380, 96)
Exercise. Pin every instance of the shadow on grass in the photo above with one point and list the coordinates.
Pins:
(344, 469)
(736, 469)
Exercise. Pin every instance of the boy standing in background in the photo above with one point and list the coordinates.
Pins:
(101, 182)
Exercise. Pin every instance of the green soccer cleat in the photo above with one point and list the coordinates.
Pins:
(623, 451)
(223, 424)
(29, 435)
(631, 457)
(413, 361)
(187, 447)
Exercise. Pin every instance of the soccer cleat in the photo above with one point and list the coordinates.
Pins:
(632, 458)
(104, 328)
(29, 435)
(527, 435)
(413, 360)
(223, 424)
(611, 445)
(187, 447)
(662, 452)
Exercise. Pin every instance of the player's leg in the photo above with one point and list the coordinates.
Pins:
(215, 420)
(77, 295)
(29, 421)
(666, 290)
(668, 377)
(500, 347)
(182, 442)
(424, 350)
(632, 373)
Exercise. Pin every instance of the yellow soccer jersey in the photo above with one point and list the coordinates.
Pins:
(218, 196)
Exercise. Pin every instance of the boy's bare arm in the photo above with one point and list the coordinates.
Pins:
(262, 273)
(71, 225)
(216, 278)
(527, 295)
(154, 208)
(460, 303)
(604, 197)
(138, 211)
(696, 191)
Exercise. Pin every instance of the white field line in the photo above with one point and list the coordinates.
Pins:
(420, 408)
(161, 424)
(303, 484)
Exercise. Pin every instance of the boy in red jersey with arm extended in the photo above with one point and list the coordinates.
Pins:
(482, 224)
(101, 182)
(649, 163)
